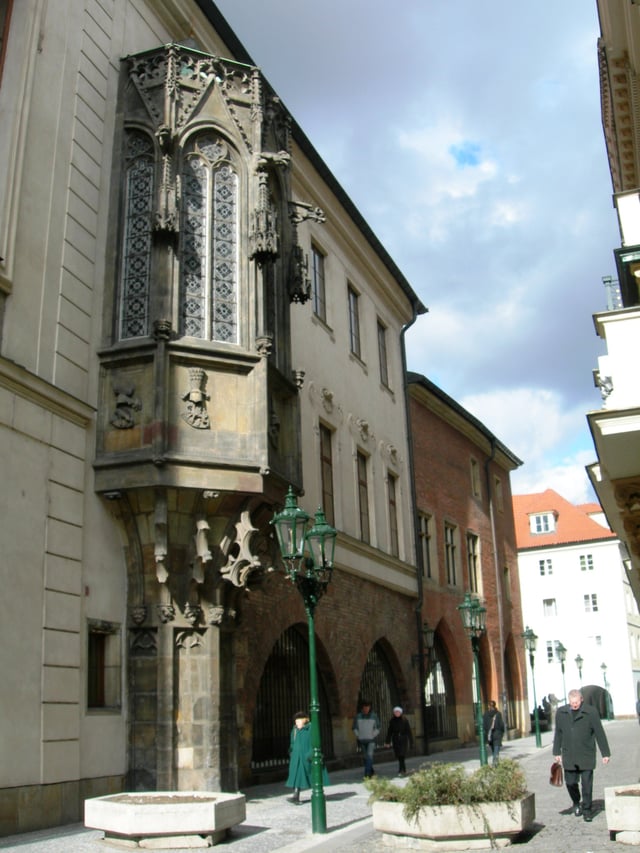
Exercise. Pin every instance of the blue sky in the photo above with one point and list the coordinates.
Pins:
(469, 136)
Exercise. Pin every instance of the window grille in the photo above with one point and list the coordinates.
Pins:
(284, 689)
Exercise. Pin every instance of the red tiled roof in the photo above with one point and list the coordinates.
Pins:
(573, 523)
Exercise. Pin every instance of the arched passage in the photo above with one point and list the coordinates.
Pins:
(378, 684)
(439, 695)
(284, 689)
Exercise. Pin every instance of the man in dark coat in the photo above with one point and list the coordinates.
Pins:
(578, 728)
(493, 725)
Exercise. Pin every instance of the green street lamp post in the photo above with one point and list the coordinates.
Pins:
(561, 654)
(473, 616)
(579, 663)
(311, 575)
(607, 696)
(530, 642)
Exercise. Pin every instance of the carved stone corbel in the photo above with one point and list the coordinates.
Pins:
(195, 413)
(241, 563)
(203, 554)
(161, 526)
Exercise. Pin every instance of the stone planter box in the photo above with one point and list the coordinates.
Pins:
(165, 819)
(454, 827)
(622, 808)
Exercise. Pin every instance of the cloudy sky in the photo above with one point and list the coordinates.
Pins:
(469, 136)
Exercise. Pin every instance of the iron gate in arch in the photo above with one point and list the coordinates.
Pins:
(284, 689)
(379, 686)
(439, 697)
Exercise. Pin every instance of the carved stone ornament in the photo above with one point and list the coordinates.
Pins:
(299, 281)
(138, 614)
(263, 234)
(189, 639)
(161, 547)
(192, 613)
(195, 413)
(203, 554)
(327, 400)
(274, 429)
(126, 404)
(299, 211)
(264, 344)
(162, 330)
(627, 497)
(143, 641)
(298, 378)
(166, 612)
(241, 562)
(220, 615)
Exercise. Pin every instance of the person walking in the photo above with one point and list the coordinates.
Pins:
(578, 729)
(399, 737)
(366, 727)
(300, 757)
(638, 709)
(493, 725)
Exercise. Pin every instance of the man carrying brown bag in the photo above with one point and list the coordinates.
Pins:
(578, 728)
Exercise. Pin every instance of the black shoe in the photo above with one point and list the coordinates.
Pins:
(586, 815)
(577, 810)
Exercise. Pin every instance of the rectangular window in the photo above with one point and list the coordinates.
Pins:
(103, 665)
(549, 608)
(475, 478)
(363, 498)
(5, 17)
(543, 522)
(326, 473)
(550, 648)
(317, 283)
(354, 322)
(473, 559)
(450, 553)
(546, 567)
(425, 522)
(382, 354)
(393, 517)
(586, 562)
(590, 603)
(499, 495)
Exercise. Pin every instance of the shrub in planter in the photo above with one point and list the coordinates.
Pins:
(441, 784)
(443, 804)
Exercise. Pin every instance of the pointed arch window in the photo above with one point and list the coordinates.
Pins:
(209, 262)
(138, 226)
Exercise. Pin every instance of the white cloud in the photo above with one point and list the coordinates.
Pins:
(533, 423)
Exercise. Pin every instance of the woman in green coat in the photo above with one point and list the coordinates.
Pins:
(300, 755)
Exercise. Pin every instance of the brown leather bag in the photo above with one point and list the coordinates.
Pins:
(556, 775)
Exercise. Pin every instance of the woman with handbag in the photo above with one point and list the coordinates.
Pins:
(493, 725)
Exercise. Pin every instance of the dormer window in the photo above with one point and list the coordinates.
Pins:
(542, 522)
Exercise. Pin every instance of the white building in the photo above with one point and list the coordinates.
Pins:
(575, 593)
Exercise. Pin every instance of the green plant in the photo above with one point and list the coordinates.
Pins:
(439, 784)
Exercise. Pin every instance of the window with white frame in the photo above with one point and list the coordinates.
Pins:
(318, 283)
(382, 354)
(545, 567)
(542, 522)
(473, 561)
(450, 549)
(354, 321)
(586, 562)
(499, 494)
(590, 603)
(363, 497)
(326, 472)
(549, 608)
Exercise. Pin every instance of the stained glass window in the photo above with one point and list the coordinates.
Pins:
(209, 264)
(136, 267)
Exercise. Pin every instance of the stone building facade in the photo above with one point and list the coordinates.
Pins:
(194, 317)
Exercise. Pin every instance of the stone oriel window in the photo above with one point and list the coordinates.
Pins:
(209, 240)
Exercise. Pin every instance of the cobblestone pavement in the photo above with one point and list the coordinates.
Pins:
(274, 824)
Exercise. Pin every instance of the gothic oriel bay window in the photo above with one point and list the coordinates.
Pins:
(208, 257)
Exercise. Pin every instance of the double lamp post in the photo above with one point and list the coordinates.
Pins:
(474, 616)
(311, 575)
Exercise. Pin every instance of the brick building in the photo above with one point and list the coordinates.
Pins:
(466, 544)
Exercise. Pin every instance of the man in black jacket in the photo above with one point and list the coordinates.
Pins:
(578, 728)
